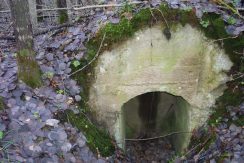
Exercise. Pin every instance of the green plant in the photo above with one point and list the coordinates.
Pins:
(1, 104)
(204, 23)
(4, 146)
(48, 75)
(127, 8)
(188, 8)
(76, 63)
(60, 91)
(98, 140)
(1, 135)
(231, 20)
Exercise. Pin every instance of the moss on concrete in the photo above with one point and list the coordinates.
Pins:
(117, 33)
(98, 140)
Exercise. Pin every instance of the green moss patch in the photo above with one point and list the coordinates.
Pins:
(98, 140)
(63, 17)
(2, 107)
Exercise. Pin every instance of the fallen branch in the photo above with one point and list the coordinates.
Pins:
(221, 39)
(90, 7)
(40, 32)
(100, 47)
(158, 137)
(200, 144)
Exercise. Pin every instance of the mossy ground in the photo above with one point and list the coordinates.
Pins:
(1, 104)
(117, 33)
(98, 140)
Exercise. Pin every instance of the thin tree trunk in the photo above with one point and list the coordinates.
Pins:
(28, 69)
(33, 14)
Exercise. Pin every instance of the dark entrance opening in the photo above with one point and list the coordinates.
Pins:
(150, 116)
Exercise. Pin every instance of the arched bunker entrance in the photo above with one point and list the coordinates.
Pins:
(188, 66)
(155, 114)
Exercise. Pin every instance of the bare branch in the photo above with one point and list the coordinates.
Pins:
(100, 47)
(158, 137)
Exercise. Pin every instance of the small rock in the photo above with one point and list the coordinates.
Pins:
(232, 127)
(62, 66)
(77, 98)
(52, 122)
(66, 147)
(40, 55)
(79, 56)
(68, 70)
(212, 161)
(49, 57)
(81, 142)
(35, 148)
(59, 96)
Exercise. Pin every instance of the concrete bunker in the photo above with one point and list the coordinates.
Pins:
(155, 114)
(188, 66)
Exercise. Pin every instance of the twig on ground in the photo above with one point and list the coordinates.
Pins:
(158, 137)
(200, 144)
(90, 6)
(238, 77)
(95, 57)
(221, 39)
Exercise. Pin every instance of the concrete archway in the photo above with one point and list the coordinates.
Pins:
(155, 114)
(188, 65)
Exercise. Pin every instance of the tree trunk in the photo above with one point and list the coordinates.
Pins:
(33, 14)
(63, 14)
(28, 69)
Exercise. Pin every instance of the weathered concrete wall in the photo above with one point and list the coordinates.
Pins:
(188, 65)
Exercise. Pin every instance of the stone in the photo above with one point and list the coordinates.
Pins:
(11, 103)
(35, 148)
(66, 147)
(68, 70)
(70, 158)
(62, 66)
(49, 57)
(81, 142)
(59, 135)
(15, 112)
(59, 96)
(212, 161)
(79, 56)
(52, 122)
(2, 127)
(233, 128)
(77, 98)
(40, 55)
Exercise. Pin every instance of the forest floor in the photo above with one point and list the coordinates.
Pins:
(30, 133)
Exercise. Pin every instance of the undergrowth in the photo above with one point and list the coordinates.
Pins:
(98, 140)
